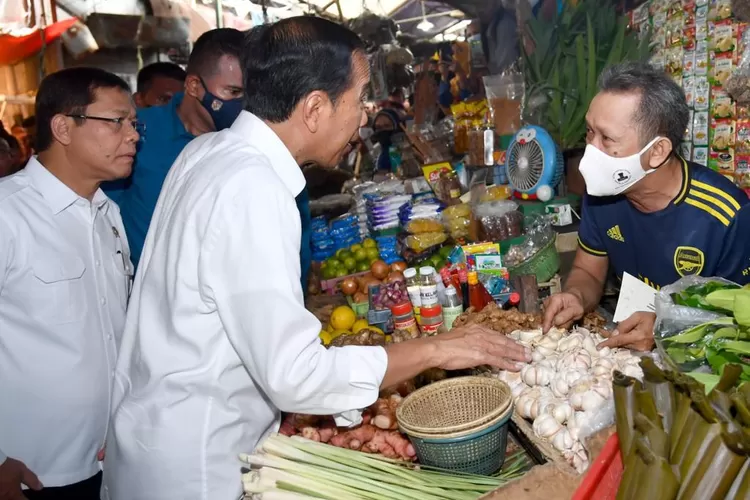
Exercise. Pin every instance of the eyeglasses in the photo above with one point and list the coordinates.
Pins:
(137, 126)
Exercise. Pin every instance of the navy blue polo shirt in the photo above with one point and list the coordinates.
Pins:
(163, 140)
(704, 231)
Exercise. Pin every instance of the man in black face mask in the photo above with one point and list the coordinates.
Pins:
(211, 101)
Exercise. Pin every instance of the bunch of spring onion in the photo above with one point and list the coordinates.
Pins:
(287, 468)
(679, 443)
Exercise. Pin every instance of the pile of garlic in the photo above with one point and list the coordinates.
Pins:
(566, 383)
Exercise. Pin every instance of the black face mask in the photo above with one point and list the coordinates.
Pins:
(383, 137)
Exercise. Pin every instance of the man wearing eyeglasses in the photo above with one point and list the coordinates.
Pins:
(65, 276)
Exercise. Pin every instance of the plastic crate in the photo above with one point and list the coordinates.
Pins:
(603, 477)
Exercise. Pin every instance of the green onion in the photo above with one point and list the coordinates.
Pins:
(294, 465)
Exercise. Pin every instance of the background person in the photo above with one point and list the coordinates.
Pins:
(211, 100)
(206, 366)
(64, 280)
(648, 212)
(157, 83)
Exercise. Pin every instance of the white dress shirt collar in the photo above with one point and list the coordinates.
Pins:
(55, 192)
(255, 131)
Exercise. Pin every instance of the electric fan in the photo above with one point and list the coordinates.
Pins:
(534, 164)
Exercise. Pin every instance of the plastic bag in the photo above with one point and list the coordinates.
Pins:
(419, 226)
(738, 83)
(505, 96)
(500, 220)
(421, 242)
(673, 319)
(539, 233)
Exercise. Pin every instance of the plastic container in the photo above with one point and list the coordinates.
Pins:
(428, 288)
(432, 320)
(403, 319)
(452, 307)
(603, 477)
(412, 286)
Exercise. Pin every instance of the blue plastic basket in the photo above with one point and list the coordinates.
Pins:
(479, 451)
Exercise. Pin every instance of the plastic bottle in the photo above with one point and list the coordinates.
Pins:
(432, 320)
(477, 293)
(403, 319)
(452, 308)
(428, 288)
(513, 301)
(412, 286)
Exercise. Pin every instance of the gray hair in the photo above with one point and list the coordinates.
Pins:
(663, 110)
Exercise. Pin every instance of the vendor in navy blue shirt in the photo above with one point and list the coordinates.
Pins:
(648, 212)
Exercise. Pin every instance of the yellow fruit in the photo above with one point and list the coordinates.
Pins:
(338, 333)
(359, 324)
(343, 318)
(325, 337)
(328, 328)
(376, 330)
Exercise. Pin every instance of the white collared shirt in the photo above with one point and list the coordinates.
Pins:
(217, 339)
(63, 292)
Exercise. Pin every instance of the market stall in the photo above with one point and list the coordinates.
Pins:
(471, 225)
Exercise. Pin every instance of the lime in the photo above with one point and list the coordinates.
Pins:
(355, 248)
(363, 267)
(372, 254)
(435, 261)
(350, 264)
(369, 243)
(361, 255)
(343, 254)
(340, 252)
(323, 265)
(445, 251)
(341, 272)
(329, 273)
(333, 264)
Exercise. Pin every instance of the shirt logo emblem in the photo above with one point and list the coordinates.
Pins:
(688, 261)
(615, 233)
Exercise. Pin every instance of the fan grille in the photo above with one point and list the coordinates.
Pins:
(525, 165)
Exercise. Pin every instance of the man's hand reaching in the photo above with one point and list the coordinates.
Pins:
(12, 475)
(636, 332)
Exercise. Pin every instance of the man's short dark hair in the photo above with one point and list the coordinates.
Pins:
(285, 61)
(148, 74)
(663, 109)
(69, 91)
(210, 47)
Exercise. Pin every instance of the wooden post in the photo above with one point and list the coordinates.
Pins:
(527, 287)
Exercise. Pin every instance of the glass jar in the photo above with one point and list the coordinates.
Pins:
(432, 320)
(403, 319)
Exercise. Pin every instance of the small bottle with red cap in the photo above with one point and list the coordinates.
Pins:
(403, 319)
(513, 301)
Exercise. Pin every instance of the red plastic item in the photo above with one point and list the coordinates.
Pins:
(17, 48)
(603, 477)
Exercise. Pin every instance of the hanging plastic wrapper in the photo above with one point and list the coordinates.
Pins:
(738, 83)
(505, 97)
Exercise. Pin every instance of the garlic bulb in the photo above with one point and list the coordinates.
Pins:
(543, 406)
(602, 387)
(562, 440)
(548, 343)
(572, 341)
(536, 375)
(559, 387)
(590, 345)
(529, 335)
(555, 334)
(562, 412)
(573, 376)
(603, 367)
(545, 426)
(574, 359)
(510, 378)
(540, 354)
(517, 389)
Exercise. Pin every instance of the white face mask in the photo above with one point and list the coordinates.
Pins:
(609, 175)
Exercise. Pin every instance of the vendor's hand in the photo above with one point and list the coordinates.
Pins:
(474, 345)
(561, 310)
(636, 332)
(12, 474)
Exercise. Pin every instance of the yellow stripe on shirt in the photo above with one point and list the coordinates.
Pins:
(716, 191)
(715, 201)
(706, 208)
(598, 253)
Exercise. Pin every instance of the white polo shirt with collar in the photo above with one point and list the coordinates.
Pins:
(217, 339)
(64, 284)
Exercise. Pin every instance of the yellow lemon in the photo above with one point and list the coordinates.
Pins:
(343, 318)
(376, 330)
(325, 337)
(360, 324)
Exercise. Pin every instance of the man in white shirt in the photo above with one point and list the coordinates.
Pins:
(217, 341)
(64, 283)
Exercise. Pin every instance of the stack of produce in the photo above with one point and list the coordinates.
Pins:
(722, 339)
(566, 385)
(291, 468)
(383, 212)
(495, 318)
(457, 219)
(679, 443)
(424, 234)
(357, 258)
